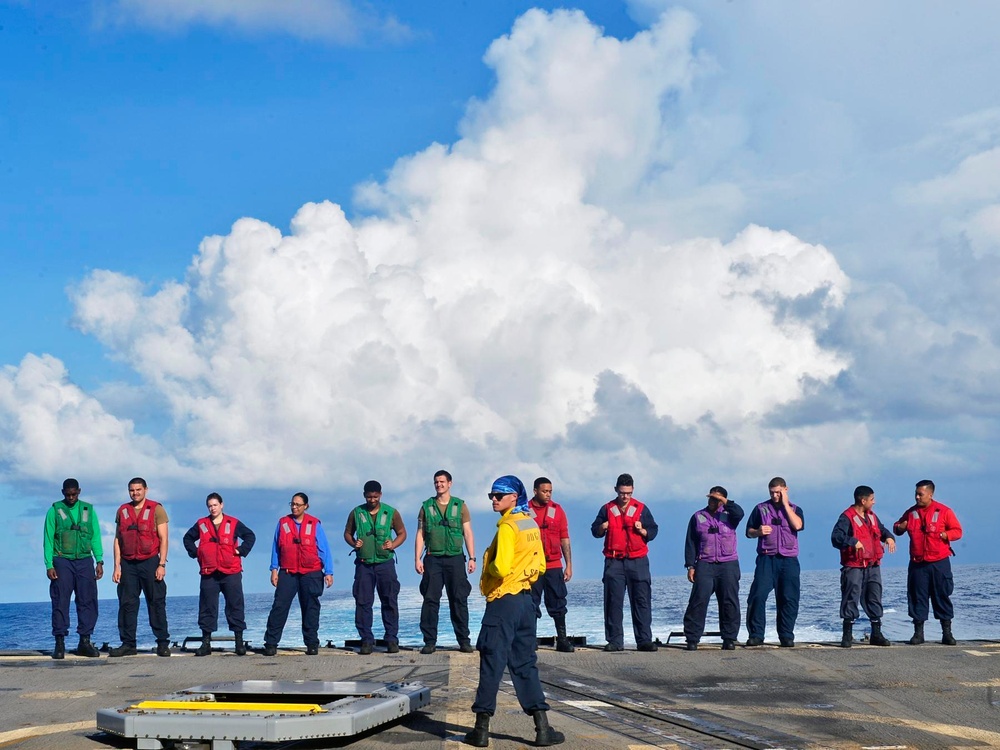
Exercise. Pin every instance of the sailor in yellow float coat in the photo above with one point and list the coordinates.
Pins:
(507, 636)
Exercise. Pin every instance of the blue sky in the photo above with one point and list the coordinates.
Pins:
(268, 247)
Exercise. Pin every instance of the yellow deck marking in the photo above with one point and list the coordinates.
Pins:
(25, 732)
(992, 739)
(283, 708)
(58, 695)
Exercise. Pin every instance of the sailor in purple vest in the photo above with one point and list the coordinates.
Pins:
(775, 525)
(713, 566)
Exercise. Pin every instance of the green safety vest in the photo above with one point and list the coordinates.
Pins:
(73, 540)
(443, 534)
(373, 534)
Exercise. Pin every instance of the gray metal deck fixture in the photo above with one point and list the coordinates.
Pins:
(262, 711)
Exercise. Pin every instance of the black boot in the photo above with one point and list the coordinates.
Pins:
(848, 635)
(241, 645)
(480, 735)
(946, 637)
(562, 642)
(544, 734)
(59, 652)
(877, 638)
(86, 648)
(918, 633)
(206, 644)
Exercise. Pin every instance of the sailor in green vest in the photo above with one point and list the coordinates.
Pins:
(443, 525)
(71, 544)
(373, 531)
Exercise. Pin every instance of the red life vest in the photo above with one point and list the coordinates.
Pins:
(217, 546)
(622, 540)
(297, 551)
(865, 530)
(551, 521)
(137, 537)
(925, 525)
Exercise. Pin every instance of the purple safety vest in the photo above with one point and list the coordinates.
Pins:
(716, 538)
(783, 539)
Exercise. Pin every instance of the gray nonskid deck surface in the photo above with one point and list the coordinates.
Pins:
(812, 696)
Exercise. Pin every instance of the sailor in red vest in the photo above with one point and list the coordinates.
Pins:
(932, 528)
(374, 530)
(551, 520)
(301, 564)
(219, 542)
(141, 541)
(859, 535)
(712, 561)
(627, 526)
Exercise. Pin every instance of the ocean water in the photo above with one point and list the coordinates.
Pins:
(976, 599)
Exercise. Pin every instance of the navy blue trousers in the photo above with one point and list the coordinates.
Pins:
(864, 585)
(723, 580)
(231, 588)
(632, 576)
(139, 576)
(447, 573)
(75, 577)
(551, 584)
(368, 579)
(308, 587)
(507, 639)
(930, 580)
(781, 575)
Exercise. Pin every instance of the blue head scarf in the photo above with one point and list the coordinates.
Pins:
(510, 484)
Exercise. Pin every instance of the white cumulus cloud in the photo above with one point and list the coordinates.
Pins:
(508, 299)
(49, 426)
(490, 290)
